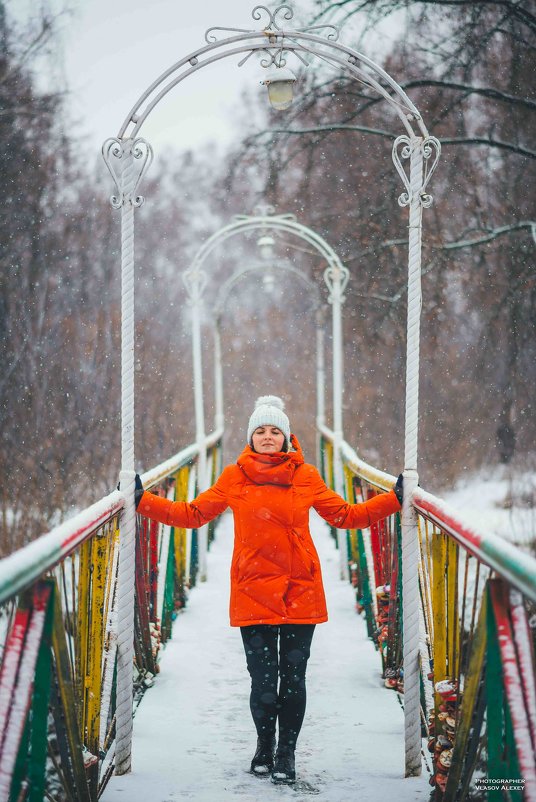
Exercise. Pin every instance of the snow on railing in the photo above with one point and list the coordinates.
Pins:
(58, 636)
(478, 592)
(57, 629)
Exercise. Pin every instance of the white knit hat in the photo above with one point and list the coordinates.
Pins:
(269, 412)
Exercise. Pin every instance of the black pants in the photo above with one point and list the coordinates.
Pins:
(266, 664)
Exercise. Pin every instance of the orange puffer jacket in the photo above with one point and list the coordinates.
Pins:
(275, 570)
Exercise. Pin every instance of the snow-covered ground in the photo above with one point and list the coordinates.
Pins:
(499, 501)
(193, 735)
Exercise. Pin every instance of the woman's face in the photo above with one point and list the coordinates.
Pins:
(268, 439)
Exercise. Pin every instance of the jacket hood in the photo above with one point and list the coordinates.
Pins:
(271, 469)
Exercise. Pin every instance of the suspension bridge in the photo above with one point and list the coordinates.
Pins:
(58, 681)
(99, 617)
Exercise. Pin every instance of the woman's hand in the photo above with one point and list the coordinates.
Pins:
(139, 491)
(399, 489)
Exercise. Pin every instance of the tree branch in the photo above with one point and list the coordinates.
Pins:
(491, 143)
(490, 92)
(452, 246)
(514, 8)
(325, 129)
(333, 127)
(39, 40)
(491, 235)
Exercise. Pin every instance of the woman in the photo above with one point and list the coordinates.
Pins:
(276, 583)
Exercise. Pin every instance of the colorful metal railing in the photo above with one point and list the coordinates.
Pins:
(478, 595)
(58, 637)
(57, 632)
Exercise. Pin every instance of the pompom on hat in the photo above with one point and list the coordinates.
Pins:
(269, 412)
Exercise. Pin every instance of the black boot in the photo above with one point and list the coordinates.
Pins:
(263, 759)
(284, 770)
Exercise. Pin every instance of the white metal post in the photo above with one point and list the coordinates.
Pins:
(320, 381)
(218, 379)
(200, 435)
(410, 546)
(336, 301)
(127, 542)
(127, 161)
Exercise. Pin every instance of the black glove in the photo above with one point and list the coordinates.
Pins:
(399, 489)
(139, 491)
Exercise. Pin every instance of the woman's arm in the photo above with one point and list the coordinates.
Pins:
(188, 514)
(338, 512)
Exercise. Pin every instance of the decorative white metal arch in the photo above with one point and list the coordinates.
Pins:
(336, 277)
(128, 157)
(219, 308)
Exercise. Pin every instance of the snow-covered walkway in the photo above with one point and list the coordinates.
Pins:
(193, 735)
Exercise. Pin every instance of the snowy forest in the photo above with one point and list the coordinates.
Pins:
(469, 66)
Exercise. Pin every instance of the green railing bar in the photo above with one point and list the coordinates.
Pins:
(510, 562)
(20, 569)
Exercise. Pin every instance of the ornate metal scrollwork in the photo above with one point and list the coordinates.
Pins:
(113, 148)
(257, 15)
(330, 274)
(404, 144)
(272, 60)
(113, 151)
(273, 21)
(402, 149)
(195, 281)
(265, 210)
(431, 149)
(210, 38)
(288, 15)
(274, 54)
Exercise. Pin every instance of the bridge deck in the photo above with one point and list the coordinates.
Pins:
(193, 736)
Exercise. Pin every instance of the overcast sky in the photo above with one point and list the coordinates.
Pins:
(114, 50)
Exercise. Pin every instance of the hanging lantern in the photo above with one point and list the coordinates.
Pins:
(265, 245)
(279, 82)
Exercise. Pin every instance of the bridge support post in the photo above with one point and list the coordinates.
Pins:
(127, 542)
(197, 287)
(418, 150)
(410, 544)
(218, 379)
(336, 280)
(320, 381)
(127, 160)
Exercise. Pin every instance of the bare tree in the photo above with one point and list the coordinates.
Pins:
(468, 68)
